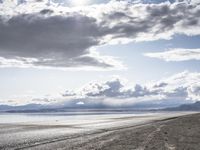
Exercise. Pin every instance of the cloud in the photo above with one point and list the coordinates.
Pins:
(114, 88)
(178, 89)
(35, 34)
(177, 54)
(116, 92)
(31, 40)
(179, 85)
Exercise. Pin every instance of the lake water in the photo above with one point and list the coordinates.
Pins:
(67, 117)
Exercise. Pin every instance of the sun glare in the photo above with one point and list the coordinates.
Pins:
(80, 2)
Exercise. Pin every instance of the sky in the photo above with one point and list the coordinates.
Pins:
(99, 53)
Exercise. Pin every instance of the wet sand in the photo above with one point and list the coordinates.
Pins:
(159, 131)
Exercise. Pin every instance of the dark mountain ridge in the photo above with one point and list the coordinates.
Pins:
(185, 107)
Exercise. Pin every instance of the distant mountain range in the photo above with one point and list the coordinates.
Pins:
(22, 107)
(185, 107)
(63, 108)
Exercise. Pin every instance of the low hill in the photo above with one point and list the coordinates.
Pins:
(186, 107)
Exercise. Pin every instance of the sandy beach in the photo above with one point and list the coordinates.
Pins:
(107, 132)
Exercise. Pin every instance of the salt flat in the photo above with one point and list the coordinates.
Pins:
(67, 131)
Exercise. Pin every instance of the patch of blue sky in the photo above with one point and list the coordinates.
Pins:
(142, 68)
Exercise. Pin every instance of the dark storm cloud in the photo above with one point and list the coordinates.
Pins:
(54, 41)
(33, 35)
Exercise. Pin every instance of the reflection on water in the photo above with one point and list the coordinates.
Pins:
(66, 117)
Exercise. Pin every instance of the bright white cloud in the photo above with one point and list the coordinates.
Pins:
(176, 55)
(179, 88)
(79, 2)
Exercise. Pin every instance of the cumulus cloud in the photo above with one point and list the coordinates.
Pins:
(177, 54)
(171, 91)
(35, 34)
(180, 88)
